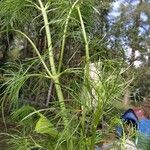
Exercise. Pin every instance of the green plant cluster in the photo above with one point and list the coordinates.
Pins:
(67, 122)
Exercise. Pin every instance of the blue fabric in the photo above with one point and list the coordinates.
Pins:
(143, 138)
(129, 115)
(144, 127)
(119, 130)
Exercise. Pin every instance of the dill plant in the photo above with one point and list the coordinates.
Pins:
(69, 128)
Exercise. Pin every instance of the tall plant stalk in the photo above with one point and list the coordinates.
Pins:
(86, 71)
(64, 35)
(87, 56)
(55, 76)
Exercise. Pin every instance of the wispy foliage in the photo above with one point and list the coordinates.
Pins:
(15, 13)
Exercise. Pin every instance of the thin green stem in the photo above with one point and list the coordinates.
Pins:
(36, 50)
(87, 59)
(97, 117)
(52, 63)
(48, 36)
(64, 35)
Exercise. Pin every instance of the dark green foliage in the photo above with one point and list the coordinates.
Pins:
(15, 13)
(22, 112)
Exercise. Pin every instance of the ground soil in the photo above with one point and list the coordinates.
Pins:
(3, 131)
(3, 144)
